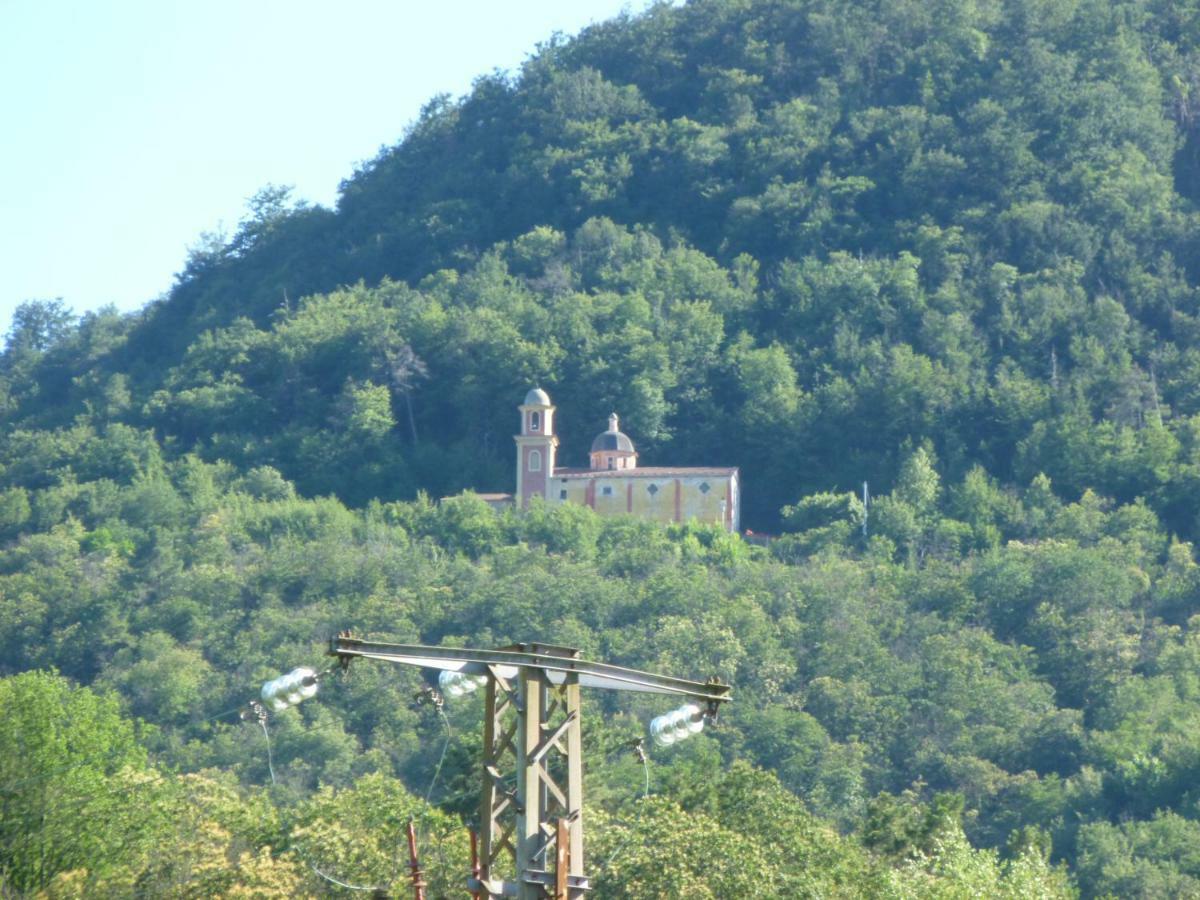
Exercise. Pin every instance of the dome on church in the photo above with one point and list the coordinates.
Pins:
(537, 397)
(613, 439)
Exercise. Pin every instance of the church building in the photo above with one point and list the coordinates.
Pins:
(614, 483)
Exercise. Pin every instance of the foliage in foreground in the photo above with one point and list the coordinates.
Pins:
(1033, 657)
(143, 831)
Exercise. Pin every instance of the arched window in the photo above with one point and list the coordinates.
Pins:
(535, 421)
(535, 460)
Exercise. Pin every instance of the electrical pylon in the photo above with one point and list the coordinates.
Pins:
(531, 738)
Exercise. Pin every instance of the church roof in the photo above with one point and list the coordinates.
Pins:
(613, 439)
(537, 397)
(649, 472)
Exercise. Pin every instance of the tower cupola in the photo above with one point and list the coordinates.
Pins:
(612, 449)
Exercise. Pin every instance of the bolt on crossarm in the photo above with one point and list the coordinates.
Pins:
(531, 740)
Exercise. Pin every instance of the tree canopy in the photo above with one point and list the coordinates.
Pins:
(948, 250)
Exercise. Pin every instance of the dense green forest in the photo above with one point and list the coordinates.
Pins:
(951, 249)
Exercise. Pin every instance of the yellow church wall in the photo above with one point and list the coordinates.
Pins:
(610, 496)
(704, 506)
(681, 499)
(675, 499)
(576, 491)
(658, 505)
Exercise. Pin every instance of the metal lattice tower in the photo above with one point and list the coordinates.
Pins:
(531, 732)
(531, 739)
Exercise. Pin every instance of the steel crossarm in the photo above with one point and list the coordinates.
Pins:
(556, 662)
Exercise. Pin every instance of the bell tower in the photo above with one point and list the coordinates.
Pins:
(535, 447)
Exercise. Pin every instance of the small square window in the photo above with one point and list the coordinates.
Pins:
(606, 491)
(653, 489)
(704, 487)
(562, 495)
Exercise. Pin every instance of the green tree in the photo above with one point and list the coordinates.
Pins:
(70, 767)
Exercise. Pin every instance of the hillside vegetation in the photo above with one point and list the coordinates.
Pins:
(951, 249)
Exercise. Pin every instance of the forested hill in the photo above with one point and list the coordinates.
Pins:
(948, 248)
(802, 238)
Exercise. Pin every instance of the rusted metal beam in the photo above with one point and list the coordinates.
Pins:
(475, 870)
(414, 864)
(562, 856)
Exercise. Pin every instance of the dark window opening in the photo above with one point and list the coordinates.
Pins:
(606, 491)
(562, 495)
(535, 421)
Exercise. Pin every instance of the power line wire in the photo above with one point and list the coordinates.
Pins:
(645, 758)
(438, 704)
(270, 763)
(91, 792)
(157, 777)
(437, 771)
(262, 720)
(14, 786)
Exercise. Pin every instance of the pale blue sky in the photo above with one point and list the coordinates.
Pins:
(131, 126)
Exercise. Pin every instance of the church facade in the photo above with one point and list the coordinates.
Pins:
(614, 483)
